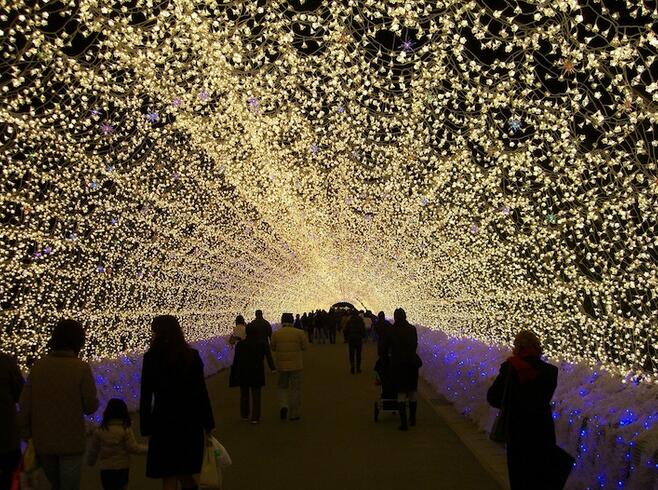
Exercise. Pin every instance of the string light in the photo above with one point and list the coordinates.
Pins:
(488, 169)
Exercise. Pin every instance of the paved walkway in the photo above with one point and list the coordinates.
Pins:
(336, 445)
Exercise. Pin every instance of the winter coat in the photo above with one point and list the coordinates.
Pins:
(59, 392)
(530, 429)
(113, 446)
(529, 403)
(383, 330)
(288, 345)
(175, 412)
(11, 385)
(355, 330)
(247, 368)
(401, 346)
(261, 328)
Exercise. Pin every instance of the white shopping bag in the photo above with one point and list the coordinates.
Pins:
(211, 474)
(221, 454)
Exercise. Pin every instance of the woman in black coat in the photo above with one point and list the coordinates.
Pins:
(174, 407)
(248, 373)
(530, 432)
(401, 344)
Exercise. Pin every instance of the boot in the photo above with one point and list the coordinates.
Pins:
(402, 408)
(412, 413)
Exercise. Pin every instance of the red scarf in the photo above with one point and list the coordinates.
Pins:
(525, 371)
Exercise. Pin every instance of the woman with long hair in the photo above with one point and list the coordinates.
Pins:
(175, 411)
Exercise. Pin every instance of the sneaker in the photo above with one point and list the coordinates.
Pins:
(255, 421)
(283, 413)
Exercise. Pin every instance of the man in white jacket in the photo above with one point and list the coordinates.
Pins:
(288, 344)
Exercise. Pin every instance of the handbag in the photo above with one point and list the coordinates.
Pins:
(210, 476)
(498, 431)
(560, 464)
(30, 462)
(221, 454)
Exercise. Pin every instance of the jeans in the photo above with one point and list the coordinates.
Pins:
(355, 355)
(255, 402)
(63, 472)
(114, 479)
(290, 392)
(8, 464)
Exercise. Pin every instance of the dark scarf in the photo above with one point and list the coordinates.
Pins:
(525, 371)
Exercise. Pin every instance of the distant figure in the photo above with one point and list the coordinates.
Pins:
(113, 443)
(355, 332)
(332, 326)
(239, 331)
(531, 383)
(174, 407)
(311, 327)
(298, 322)
(401, 346)
(367, 322)
(248, 373)
(261, 327)
(288, 345)
(59, 392)
(382, 331)
(11, 385)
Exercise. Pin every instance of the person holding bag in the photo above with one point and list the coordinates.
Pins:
(523, 390)
(174, 408)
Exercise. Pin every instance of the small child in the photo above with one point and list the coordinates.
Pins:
(113, 442)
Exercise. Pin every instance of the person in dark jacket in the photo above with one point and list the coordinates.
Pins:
(174, 407)
(261, 328)
(382, 331)
(332, 326)
(531, 383)
(355, 332)
(400, 346)
(248, 373)
(11, 384)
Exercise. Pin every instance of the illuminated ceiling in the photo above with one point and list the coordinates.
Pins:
(488, 165)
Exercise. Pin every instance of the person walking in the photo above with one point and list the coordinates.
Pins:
(11, 385)
(288, 345)
(113, 443)
(524, 387)
(298, 322)
(239, 331)
(400, 346)
(262, 328)
(59, 392)
(332, 322)
(367, 322)
(355, 332)
(174, 407)
(382, 331)
(248, 372)
(311, 327)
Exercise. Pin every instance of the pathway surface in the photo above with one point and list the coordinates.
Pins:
(336, 445)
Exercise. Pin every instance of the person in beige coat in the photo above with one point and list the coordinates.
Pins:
(59, 392)
(288, 345)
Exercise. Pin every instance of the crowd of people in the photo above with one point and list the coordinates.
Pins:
(175, 411)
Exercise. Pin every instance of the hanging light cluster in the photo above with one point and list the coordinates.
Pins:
(489, 166)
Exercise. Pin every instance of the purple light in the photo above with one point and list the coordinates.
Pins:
(152, 117)
(107, 129)
(407, 46)
(176, 102)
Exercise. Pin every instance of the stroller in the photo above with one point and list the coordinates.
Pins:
(388, 401)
